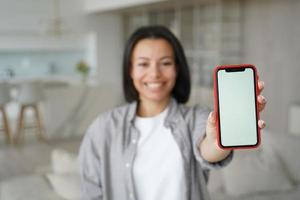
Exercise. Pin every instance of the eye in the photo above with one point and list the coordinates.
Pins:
(142, 64)
(167, 63)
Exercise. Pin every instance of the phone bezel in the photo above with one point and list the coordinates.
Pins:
(216, 94)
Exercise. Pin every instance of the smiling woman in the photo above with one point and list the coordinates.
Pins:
(153, 73)
(154, 147)
(158, 37)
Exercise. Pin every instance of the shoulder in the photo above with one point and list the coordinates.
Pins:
(102, 130)
(189, 114)
(193, 112)
(109, 121)
(116, 113)
(195, 117)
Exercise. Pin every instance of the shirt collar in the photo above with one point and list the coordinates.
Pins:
(132, 111)
(172, 116)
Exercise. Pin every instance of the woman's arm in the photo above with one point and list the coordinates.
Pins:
(209, 148)
(89, 167)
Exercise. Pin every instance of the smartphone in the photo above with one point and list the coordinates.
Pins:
(235, 91)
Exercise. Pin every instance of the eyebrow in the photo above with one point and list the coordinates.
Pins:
(145, 58)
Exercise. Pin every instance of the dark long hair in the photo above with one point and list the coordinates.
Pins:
(181, 90)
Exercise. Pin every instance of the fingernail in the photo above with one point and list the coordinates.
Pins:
(262, 83)
(262, 99)
(213, 114)
(211, 117)
(263, 124)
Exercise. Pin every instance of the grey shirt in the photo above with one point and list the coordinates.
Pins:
(108, 149)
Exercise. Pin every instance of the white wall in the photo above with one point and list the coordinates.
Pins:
(70, 110)
(31, 17)
(19, 18)
(110, 46)
(271, 41)
(35, 16)
(91, 6)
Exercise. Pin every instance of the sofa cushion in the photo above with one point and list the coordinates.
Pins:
(64, 162)
(252, 171)
(66, 185)
(65, 176)
(33, 187)
(279, 195)
(287, 147)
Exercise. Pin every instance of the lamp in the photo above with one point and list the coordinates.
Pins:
(294, 119)
(55, 26)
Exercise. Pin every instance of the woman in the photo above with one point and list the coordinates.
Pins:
(154, 147)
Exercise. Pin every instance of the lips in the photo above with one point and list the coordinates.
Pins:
(154, 85)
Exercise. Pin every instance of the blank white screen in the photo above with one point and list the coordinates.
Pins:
(237, 108)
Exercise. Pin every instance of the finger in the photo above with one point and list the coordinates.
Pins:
(261, 124)
(211, 129)
(211, 121)
(212, 117)
(261, 107)
(261, 102)
(261, 86)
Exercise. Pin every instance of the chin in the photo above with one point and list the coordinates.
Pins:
(157, 98)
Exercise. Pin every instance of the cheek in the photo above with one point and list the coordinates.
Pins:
(136, 77)
(136, 74)
(172, 74)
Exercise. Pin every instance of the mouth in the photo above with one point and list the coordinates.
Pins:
(156, 85)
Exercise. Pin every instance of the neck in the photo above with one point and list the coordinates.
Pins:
(151, 108)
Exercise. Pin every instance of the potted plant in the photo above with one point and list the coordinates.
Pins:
(83, 68)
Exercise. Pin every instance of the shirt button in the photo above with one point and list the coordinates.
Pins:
(134, 141)
(127, 165)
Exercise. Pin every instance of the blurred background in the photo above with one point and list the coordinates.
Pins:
(60, 66)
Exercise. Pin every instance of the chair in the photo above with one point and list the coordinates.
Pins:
(4, 99)
(30, 95)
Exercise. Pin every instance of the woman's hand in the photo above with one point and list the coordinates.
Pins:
(209, 147)
(261, 103)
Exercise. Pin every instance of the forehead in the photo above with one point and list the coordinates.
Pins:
(152, 48)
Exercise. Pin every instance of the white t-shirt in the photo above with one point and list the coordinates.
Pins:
(159, 154)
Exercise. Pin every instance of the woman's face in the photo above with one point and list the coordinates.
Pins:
(153, 69)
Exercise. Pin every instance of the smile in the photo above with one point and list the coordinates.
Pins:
(154, 85)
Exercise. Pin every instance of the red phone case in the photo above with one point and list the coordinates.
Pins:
(216, 106)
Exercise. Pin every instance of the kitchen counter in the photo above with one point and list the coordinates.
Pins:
(51, 81)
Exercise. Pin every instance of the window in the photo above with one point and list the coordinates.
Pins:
(209, 32)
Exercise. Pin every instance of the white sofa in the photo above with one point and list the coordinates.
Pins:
(271, 172)
(30, 173)
(40, 171)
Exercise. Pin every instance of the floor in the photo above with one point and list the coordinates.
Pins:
(30, 156)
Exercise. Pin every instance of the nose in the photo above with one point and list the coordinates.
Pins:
(154, 70)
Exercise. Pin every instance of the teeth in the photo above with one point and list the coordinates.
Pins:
(153, 85)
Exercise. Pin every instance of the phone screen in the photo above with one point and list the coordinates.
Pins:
(237, 107)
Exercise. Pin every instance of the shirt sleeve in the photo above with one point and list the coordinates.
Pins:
(90, 167)
(199, 128)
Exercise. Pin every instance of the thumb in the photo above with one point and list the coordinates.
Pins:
(211, 130)
(212, 119)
